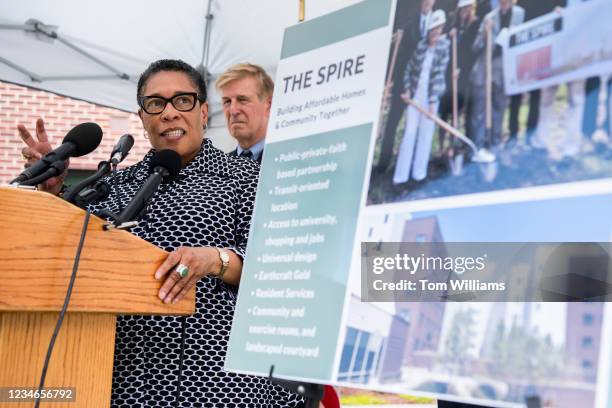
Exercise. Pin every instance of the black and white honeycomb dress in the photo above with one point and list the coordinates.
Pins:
(209, 204)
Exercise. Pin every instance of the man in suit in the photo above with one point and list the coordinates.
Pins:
(505, 15)
(414, 29)
(246, 97)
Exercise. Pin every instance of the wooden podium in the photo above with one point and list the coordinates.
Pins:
(39, 234)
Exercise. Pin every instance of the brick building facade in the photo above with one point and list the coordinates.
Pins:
(20, 105)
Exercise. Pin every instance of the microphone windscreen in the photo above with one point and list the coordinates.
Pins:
(86, 137)
(169, 160)
(128, 142)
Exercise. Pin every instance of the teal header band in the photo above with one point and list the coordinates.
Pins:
(331, 28)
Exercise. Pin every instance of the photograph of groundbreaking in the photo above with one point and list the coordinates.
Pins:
(476, 100)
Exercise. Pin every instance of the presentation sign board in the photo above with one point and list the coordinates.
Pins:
(364, 163)
(323, 118)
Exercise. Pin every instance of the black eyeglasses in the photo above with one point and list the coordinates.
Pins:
(154, 105)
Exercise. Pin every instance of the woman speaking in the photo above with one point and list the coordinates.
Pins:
(202, 219)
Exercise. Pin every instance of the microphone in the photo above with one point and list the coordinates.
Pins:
(165, 166)
(54, 169)
(121, 149)
(81, 140)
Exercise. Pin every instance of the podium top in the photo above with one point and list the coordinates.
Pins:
(39, 234)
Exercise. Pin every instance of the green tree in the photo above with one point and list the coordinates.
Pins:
(460, 340)
(520, 353)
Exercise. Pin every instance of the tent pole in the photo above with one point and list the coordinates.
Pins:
(34, 77)
(206, 42)
(33, 25)
(120, 74)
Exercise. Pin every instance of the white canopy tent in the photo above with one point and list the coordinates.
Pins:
(101, 47)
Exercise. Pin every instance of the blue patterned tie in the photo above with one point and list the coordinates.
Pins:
(247, 154)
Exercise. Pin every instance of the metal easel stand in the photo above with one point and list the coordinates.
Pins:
(312, 393)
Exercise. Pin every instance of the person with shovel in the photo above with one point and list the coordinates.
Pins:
(463, 28)
(424, 84)
(487, 76)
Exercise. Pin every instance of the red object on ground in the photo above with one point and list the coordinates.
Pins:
(330, 397)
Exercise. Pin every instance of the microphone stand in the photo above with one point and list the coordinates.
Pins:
(75, 194)
(55, 168)
(129, 214)
(104, 168)
(95, 193)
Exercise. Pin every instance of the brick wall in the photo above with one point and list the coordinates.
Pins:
(20, 105)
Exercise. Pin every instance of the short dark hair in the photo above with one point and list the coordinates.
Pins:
(173, 65)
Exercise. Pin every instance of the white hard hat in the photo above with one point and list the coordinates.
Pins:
(465, 3)
(437, 19)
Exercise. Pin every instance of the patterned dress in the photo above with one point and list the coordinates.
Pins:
(209, 204)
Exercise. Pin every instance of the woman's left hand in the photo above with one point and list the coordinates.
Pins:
(200, 263)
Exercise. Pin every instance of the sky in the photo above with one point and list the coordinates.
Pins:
(575, 219)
